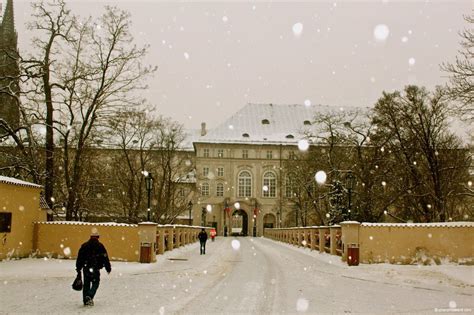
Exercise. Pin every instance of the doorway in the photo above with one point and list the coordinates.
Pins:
(240, 223)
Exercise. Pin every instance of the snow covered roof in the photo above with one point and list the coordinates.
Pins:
(43, 203)
(266, 123)
(87, 223)
(410, 225)
(17, 182)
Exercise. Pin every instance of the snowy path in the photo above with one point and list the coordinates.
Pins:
(261, 277)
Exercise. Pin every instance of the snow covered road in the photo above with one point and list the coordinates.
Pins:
(259, 277)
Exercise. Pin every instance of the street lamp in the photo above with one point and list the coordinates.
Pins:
(350, 182)
(190, 208)
(204, 212)
(149, 187)
(255, 212)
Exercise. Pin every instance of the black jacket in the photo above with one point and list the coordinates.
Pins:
(202, 236)
(93, 254)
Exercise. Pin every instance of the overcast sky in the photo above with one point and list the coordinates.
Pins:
(215, 57)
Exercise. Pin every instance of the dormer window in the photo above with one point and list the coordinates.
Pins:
(265, 122)
(290, 137)
(307, 123)
(245, 135)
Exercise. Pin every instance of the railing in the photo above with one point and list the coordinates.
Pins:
(322, 238)
(169, 237)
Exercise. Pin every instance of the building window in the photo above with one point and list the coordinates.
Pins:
(220, 171)
(181, 192)
(205, 171)
(245, 154)
(289, 187)
(220, 190)
(291, 155)
(245, 184)
(5, 222)
(269, 154)
(205, 152)
(220, 153)
(269, 184)
(205, 189)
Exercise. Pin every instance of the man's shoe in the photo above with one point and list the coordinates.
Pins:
(89, 301)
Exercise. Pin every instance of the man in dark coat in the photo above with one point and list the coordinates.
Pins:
(202, 240)
(91, 258)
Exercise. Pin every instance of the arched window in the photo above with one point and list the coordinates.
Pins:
(269, 184)
(205, 189)
(220, 190)
(245, 184)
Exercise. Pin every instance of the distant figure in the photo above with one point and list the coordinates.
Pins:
(91, 258)
(213, 234)
(202, 240)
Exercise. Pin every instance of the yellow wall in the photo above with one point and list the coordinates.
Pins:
(63, 239)
(398, 244)
(23, 203)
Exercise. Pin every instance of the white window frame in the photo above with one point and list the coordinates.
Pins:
(269, 180)
(244, 184)
(219, 190)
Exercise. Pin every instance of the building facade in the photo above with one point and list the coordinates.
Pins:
(9, 68)
(239, 167)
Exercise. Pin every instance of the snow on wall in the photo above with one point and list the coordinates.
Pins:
(418, 225)
(17, 182)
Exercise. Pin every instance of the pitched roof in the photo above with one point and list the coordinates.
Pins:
(17, 182)
(266, 123)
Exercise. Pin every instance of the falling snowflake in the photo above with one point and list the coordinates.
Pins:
(381, 32)
(186, 56)
(303, 145)
(225, 19)
(67, 251)
(302, 305)
(235, 244)
(411, 61)
(307, 103)
(297, 29)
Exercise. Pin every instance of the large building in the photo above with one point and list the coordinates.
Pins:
(239, 166)
(9, 67)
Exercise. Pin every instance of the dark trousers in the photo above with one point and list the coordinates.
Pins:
(91, 283)
(203, 247)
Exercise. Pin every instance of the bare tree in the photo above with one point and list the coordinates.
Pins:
(99, 77)
(133, 133)
(461, 83)
(172, 193)
(427, 165)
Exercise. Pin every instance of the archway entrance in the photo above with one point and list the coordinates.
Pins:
(269, 221)
(240, 223)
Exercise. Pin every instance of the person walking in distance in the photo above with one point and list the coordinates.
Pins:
(202, 240)
(91, 258)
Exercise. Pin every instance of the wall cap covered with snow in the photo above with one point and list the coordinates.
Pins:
(17, 182)
(426, 225)
(87, 223)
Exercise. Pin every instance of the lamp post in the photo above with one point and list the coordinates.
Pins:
(190, 208)
(255, 211)
(149, 187)
(203, 216)
(350, 182)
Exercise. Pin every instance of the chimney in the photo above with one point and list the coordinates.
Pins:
(203, 129)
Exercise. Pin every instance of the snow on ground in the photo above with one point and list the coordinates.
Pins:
(259, 277)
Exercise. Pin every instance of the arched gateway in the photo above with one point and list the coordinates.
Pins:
(240, 223)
